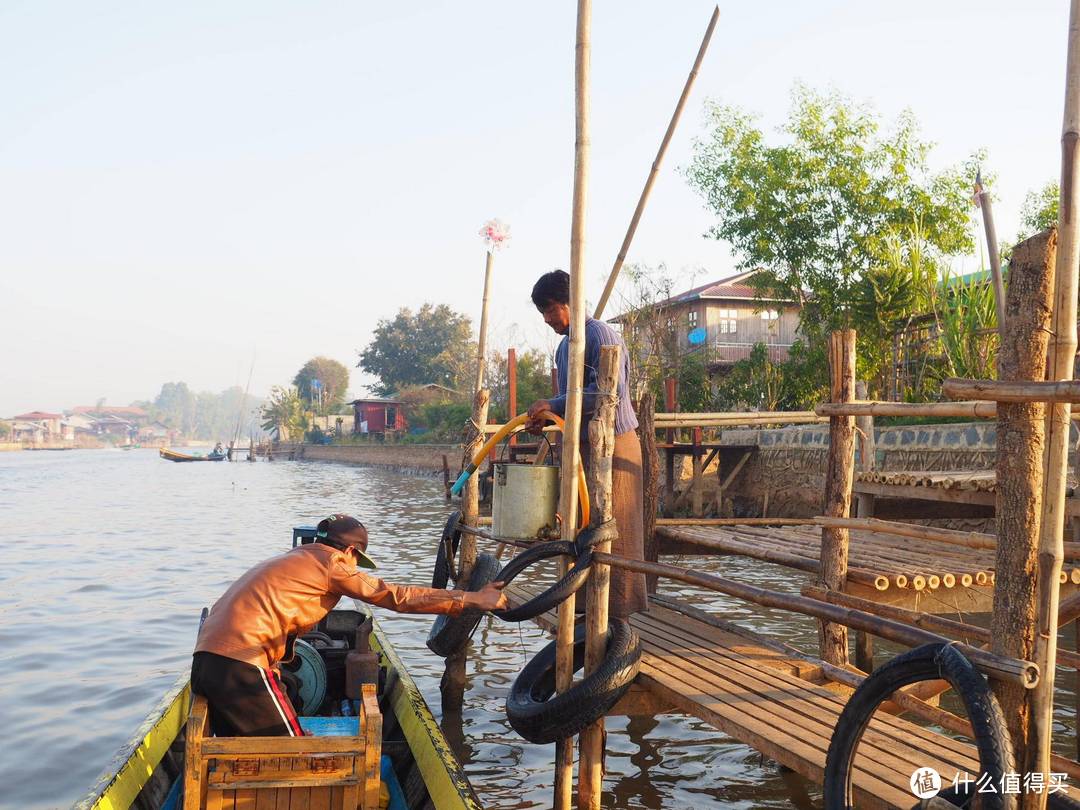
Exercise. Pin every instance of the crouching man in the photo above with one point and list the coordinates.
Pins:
(250, 629)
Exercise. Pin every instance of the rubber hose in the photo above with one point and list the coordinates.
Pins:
(510, 427)
(929, 662)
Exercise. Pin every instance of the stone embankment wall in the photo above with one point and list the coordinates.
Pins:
(412, 459)
(789, 463)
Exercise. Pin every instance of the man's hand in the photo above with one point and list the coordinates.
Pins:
(490, 597)
(536, 422)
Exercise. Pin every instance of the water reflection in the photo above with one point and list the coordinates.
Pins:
(108, 558)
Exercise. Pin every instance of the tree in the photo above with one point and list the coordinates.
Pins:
(322, 383)
(284, 414)
(1040, 210)
(815, 213)
(432, 345)
(176, 407)
(647, 330)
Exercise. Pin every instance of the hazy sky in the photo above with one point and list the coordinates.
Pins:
(184, 186)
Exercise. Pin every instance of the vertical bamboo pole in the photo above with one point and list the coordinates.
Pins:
(695, 500)
(1021, 431)
(864, 642)
(650, 474)
(839, 475)
(1061, 367)
(481, 345)
(601, 451)
(670, 405)
(674, 122)
(452, 686)
(993, 255)
(575, 374)
(511, 384)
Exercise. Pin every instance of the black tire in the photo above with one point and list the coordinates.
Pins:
(931, 661)
(541, 718)
(569, 583)
(448, 546)
(450, 633)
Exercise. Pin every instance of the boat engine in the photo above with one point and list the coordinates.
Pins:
(309, 671)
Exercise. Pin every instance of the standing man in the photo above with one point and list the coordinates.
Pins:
(551, 296)
(250, 629)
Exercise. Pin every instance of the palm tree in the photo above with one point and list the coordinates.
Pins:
(283, 415)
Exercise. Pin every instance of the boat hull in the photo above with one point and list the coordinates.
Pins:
(172, 455)
(144, 774)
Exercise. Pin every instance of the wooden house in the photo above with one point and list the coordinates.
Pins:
(725, 319)
(378, 416)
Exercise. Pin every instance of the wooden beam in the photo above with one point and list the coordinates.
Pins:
(571, 441)
(1062, 392)
(839, 475)
(972, 410)
(650, 480)
(601, 452)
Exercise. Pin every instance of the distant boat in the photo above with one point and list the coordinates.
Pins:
(172, 455)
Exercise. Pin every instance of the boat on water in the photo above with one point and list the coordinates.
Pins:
(172, 455)
(385, 750)
(412, 766)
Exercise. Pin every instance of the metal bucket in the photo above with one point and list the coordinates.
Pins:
(524, 500)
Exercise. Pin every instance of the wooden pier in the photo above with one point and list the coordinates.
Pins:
(782, 705)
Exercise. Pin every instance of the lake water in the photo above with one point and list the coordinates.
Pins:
(109, 556)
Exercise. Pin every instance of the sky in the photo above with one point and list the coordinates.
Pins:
(189, 191)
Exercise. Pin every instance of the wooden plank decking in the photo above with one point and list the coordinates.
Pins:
(770, 702)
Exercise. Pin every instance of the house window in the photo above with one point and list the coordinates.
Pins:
(391, 418)
(728, 321)
(769, 314)
(692, 319)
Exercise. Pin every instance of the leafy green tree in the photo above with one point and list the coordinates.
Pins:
(322, 383)
(284, 414)
(432, 345)
(815, 211)
(1040, 210)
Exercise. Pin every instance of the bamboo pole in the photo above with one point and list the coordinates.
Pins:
(736, 418)
(864, 424)
(973, 410)
(481, 344)
(978, 540)
(601, 452)
(650, 479)
(1061, 366)
(571, 445)
(511, 384)
(839, 475)
(452, 686)
(983, 198)
(1061, 392)
(996, 666)
(777, 521)
(636, 218)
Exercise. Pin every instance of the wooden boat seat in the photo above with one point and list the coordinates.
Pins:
(331, 770)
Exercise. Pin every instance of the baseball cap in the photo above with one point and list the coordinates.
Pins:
(345, 531)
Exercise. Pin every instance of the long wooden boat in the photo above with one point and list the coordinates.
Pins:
(172, 455)
(418, 768)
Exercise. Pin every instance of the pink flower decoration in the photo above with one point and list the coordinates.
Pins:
(495, 234)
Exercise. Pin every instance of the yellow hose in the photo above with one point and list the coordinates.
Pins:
(513, 425)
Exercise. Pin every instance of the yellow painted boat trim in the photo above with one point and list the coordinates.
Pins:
(130, 771)
(446, 782)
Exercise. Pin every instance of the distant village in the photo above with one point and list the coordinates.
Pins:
(86, 426)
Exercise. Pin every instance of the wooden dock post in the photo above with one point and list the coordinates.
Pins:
(864, 428)
(1060, 366)
(650, 479)
(601, 451)
(1020, 445)
(452, 686)
(575, 376)
(670, 404)
(839, 476)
